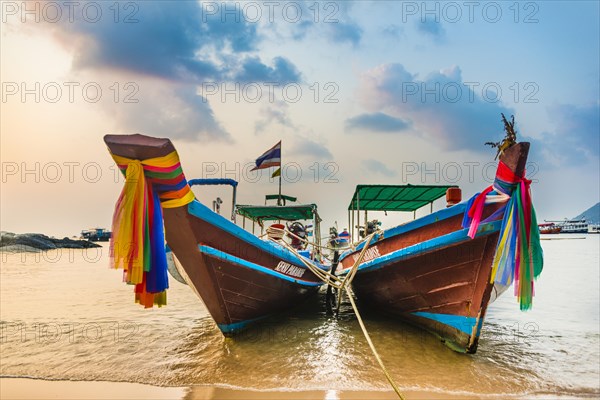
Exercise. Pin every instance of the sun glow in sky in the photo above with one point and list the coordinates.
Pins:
(359, 92)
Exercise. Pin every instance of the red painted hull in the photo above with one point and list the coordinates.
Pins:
(452, 280)
(243, 279)
(234, 294)
(434, 276)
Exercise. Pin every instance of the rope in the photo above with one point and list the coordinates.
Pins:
(372, 346)
(352, 272)
(306, 241)
(344, 285)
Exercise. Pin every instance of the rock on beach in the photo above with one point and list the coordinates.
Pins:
(32, 242)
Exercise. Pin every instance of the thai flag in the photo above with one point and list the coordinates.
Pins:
(270, 158)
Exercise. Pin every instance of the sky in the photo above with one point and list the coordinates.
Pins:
(359, 92)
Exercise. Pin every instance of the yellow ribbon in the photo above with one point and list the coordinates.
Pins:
(500, 256)
(161, 162)
(128, 239)
(174, 203)
(165, 161)
(128, 221)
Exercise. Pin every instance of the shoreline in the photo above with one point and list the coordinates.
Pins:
(21, 388)
(42, 389)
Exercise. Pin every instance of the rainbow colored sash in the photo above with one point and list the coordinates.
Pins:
(518, 253)
(138, 243)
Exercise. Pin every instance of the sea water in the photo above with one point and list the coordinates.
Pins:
(66, 315)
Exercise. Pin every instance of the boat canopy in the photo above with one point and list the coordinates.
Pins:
(274, 213)
(395, 197)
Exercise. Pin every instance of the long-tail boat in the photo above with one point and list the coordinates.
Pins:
(549, 228)
(441, 271)
(237, 275)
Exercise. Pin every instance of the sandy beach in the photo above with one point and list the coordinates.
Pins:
(23, 388)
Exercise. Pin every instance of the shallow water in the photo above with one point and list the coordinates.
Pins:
(65, 315)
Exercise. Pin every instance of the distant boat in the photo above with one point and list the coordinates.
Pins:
(96, 235)
(549, 228)
(240, 277)
(594, 228)
(571, 225)
(441, 271)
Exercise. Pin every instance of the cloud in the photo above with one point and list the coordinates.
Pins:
(376, 122)
(581, 123)
(393, 30)
(345, 32)
(174, 41)
(378, 167)
(253, 70)
(273, 113)
(441, 106)
(163, 42)
(431, 28)
(576, 139)
(307, 147)
(178, 113)
(326, 20)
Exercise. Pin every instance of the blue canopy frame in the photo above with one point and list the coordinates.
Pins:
(219, 181)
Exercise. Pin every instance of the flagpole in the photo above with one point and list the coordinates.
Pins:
(280, 165)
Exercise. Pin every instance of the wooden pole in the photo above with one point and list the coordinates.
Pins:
(358, 212)
(349, 241)
(280, 173)
(351, 227)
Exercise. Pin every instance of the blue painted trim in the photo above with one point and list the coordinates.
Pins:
(432, 244)
(462, 323)
(439, 215)
(217, 181)
(228, 257)
(199, 210)
(479, 327)
(238, 326)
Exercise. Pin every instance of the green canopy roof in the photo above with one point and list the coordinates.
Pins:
(395, 197)
(273, 213)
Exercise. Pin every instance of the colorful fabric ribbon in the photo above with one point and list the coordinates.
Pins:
(138, 243)
(518, 253)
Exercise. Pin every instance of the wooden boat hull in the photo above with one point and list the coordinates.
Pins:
(441, 285)
(430, 273)
(238, 282)
(239, 277)
(246, 292)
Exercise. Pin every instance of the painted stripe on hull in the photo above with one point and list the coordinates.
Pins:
(202, 212)
(238, 326)
(462, 323)
(424, 247)
(412, 225)
(429, 290)
(229, 258)
(262, 292)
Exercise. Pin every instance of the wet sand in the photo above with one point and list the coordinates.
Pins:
(23, 388)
